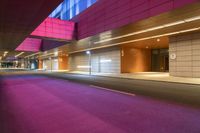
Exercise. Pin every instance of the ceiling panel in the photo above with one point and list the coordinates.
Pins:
(18, 18)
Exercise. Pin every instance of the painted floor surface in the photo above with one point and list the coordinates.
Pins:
(37, 104)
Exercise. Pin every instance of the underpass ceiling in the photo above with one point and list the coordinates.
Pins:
(18, 18)
(7, 55)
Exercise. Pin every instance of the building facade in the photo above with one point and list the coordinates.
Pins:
(126, 36)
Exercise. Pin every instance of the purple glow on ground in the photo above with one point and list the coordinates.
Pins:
(36, 104)
(55, 28)
(30, 44)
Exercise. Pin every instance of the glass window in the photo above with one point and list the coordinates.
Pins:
(70, 8)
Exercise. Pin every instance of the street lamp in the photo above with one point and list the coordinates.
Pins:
(90, 63)
(50, 64)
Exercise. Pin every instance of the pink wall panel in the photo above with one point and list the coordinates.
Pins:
(56, 29)
(109, 14)
(30, 44)
(180, 3)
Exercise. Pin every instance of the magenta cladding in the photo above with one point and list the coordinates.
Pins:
(49, 29)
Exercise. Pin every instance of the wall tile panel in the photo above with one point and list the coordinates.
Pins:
(187, 50)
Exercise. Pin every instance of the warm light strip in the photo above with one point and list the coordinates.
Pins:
(47, 54)
(136, 40)
(152, 29)
(105, 61)
(19, 54)
(32, 55)
(83, 66)
(192, 19)
(41, 55)
(51, 54)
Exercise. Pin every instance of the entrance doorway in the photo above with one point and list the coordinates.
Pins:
(146, 56)
(160, 60)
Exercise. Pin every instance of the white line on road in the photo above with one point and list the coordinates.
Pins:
(116, 91)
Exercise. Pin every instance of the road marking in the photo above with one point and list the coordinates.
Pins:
(116, 91)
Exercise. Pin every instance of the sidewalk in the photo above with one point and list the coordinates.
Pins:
(152, 76)
(149, 76)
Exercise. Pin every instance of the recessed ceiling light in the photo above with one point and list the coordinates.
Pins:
(56, 53)
(158, 40)
(88, 52)
(147, 46)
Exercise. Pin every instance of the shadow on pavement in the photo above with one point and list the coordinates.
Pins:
(8, 122)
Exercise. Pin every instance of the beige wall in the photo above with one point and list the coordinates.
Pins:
(106, 61)
(187, 51)
(102, 61)
(77, 61)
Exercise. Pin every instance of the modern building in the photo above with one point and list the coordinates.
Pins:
(121, 36)
(100, 66)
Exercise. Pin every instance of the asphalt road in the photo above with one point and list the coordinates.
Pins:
(35, 103)
(175, 92)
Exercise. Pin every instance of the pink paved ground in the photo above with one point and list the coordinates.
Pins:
(36, 104)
